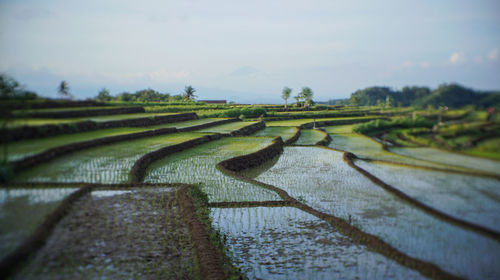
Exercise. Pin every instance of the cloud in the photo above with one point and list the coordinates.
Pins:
(493, 54)
(244, 71)
(457, 58)
(165, 76)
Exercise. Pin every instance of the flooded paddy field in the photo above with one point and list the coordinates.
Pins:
(103, 164)
(475, 199)
(22, 210)
(287, 243)
(310, 137)
(364, 147)
(449, 158)
(139, 231)
(226, 128)
(319, 178)
(198, 165)
(285, 132)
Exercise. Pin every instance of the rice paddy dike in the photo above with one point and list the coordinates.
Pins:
(220, 198)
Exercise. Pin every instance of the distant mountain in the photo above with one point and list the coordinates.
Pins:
(451, 95)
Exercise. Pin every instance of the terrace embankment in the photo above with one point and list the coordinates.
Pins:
(338, 122)
(69, 148)
(349, 159)
(138, 170)
(209, 258)
(31, 132)
(86, 113)
(326, 140)
(57, 104)
(294, 137)
(37, 239)
(207, 125)
(254, 159)
(249, 129)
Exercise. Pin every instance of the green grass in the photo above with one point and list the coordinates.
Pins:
(286, 132)
(103, 164)
(310, 137)
(489, 148)
(37, 122)
(186, 123)
(20, 149)
(47, 110)
(227, 128)
(365, 147)
(298, 122)
(198, 165)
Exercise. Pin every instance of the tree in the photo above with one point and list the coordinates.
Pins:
(286, 94)
(307, 95)
(103, 95)
(189, 93)
(389, 101)
(297, 99)
(12, 96)
(64, 90)
(354, 100)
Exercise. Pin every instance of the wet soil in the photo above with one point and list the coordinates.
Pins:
(135, 235)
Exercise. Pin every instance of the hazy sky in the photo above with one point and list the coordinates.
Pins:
(248, 51)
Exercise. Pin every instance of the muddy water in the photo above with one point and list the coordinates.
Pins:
(286, 243)
(475, 199)
(320, 178)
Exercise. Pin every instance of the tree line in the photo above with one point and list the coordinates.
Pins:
(302, 99)
(450, 95)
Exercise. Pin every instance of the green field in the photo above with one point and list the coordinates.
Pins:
(198, 165)
(227, 128)
(305, 213)
(310, 137)
(103, 164)
(285, 132)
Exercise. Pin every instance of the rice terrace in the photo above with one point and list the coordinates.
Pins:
(192, 190)
(282, 139)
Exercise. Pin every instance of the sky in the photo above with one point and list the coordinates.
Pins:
(247, 51)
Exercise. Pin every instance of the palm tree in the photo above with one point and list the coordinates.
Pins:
(286, 94)
(297, 99)
(64, 90)
(189, 93)
(306, 94)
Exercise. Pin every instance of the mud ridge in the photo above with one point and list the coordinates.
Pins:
(247, 204)
(32, 132)
(209, 261)
(338, 122)
(37, 239)
(206, 125)
(348, 158)
(86, 113)
(249, 129)
(55, 152)
(254, 159)
(294, 138)
(326, 140)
